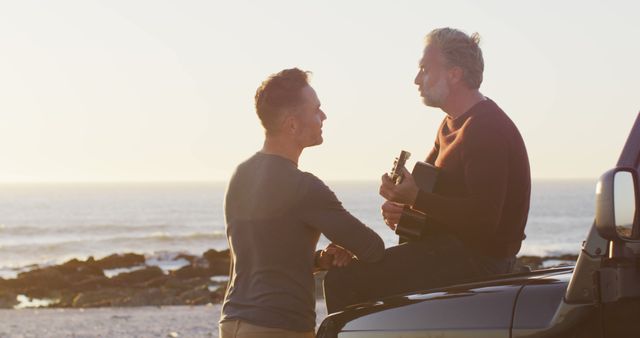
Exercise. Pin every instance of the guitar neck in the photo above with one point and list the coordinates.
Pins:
(398, 164)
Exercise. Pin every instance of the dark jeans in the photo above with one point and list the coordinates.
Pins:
(432, 262)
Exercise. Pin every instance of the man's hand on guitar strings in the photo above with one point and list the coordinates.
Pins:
(405, 192)
(391, 213)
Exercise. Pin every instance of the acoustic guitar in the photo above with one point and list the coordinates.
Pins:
(413, 223)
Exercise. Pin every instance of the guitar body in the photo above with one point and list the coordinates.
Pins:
(413, 223)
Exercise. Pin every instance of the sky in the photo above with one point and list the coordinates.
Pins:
(132, 90)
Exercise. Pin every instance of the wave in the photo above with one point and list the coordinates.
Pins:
(97, 229)
(156, 240)
(164, 236)
(549, 249)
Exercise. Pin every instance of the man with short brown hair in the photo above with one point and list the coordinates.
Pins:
(274, 216)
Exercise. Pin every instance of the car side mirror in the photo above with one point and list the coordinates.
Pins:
(617, 205)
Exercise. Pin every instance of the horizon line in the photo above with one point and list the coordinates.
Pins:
(339, 180)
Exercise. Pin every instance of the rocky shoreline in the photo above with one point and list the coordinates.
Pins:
(537, 262)
(92, 283)
(83, 284)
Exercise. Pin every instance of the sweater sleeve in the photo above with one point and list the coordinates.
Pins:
(485, 170)
(322, 210)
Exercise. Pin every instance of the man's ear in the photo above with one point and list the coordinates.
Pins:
(456, 74)
(289, 124)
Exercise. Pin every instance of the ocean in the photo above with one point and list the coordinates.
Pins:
(43, 224)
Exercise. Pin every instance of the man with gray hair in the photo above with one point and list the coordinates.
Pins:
(478, 209)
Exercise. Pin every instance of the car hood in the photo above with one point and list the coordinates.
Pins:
(484, 304)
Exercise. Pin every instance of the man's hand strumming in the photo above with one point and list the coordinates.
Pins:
(391, 213)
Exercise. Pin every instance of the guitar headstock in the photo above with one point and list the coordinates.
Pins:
(398, 163)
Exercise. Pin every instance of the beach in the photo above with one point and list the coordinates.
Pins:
(138, 320)
(147, 321)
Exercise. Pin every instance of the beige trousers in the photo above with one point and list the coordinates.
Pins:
(242, 329)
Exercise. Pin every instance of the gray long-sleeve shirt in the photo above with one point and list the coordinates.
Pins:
(274, 216)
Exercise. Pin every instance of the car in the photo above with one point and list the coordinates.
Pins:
(597, 297)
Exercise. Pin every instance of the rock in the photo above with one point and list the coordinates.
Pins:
(525, 263)
(41, 283)
(120, 261)
(8, 299)
(212, 254)
(137, 277)
(10, 284)
(197, 296)
(99, 298)
(74, 266)
(78, 283)
(220, 268)
(219, 261)
(48, 278)
(566, 257)
(127, 297)
(533, 262)
(217, 296)
(92, 283)
(157, 282)
(39, 293)
(64, 299)
(191, 272)
(186, 284)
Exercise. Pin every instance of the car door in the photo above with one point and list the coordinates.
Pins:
(621, 311)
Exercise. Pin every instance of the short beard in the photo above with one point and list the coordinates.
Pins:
(437, 95)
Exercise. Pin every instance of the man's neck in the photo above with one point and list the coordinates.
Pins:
(284, 148)
(460, 102)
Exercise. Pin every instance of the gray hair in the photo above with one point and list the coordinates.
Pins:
(461, 50)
